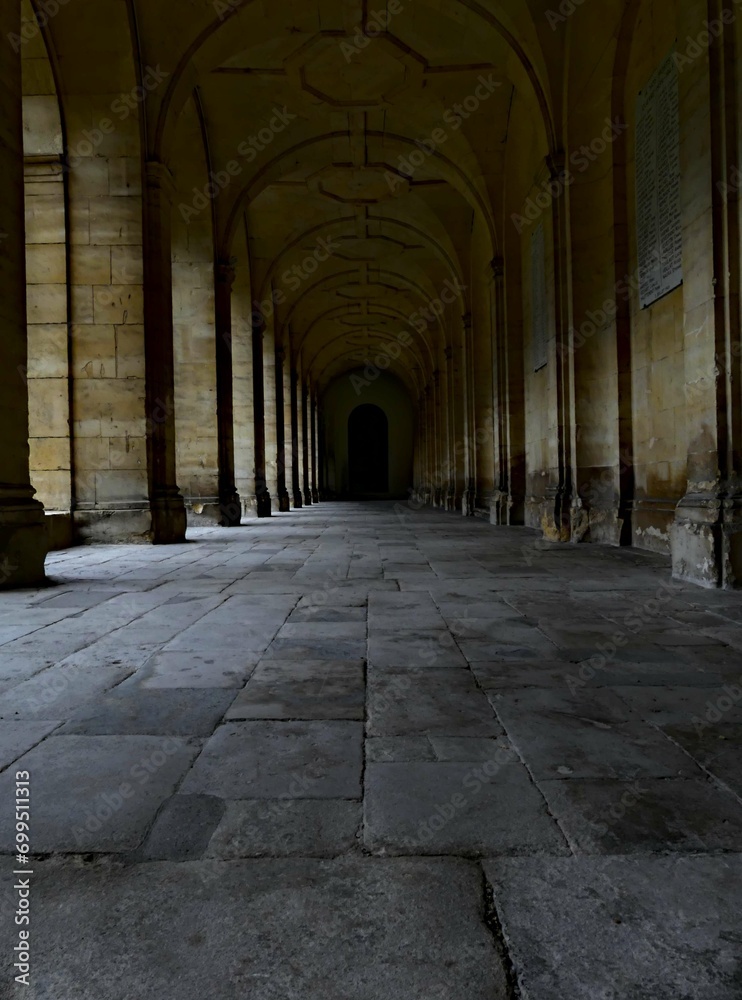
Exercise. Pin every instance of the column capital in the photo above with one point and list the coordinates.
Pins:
(556, 163)
(498, 266)
(226, 272)
(159, 178)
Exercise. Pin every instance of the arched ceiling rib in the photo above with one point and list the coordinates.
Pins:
(386, 138)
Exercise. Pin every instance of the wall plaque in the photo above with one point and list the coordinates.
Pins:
(659, 224)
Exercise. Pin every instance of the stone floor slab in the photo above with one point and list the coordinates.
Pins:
(472, 809)
(17, 738)
(291, 929)
(310, 828)
(444, 703)
(132, 710)
(310, 689)
(588, 928)
(646, 815)
(95, 793)
(267, 760)
(193, 669)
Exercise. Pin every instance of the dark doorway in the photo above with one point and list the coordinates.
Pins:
(368, 450)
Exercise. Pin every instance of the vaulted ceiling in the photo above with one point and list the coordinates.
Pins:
(367, 146)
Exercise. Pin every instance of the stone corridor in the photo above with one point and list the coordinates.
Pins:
(364, 752)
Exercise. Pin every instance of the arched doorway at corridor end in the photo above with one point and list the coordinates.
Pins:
(366, 434)
(368, 451)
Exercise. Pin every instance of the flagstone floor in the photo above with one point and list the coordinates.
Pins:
(361, 752)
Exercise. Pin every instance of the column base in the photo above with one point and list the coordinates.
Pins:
(169, 520)
(131, 524)
(315, 496)
(203, 512)
(162, 522)
(551, 513)
(284, 502)
(23, 542)
(706, 541)
(230, 509)
(307, 498)
(263, 504)
(500, 508)
(297, 503)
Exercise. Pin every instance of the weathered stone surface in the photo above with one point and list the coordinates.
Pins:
(415, 649)
(133, 710)
(290, 929)
(472, 809)
(267, 760)
(316, 649)
(191, 669)
(16, 738)
(716, 747)
(182, 829)
(58, 692)
(447, 703)
(646, 814)
(588, 927)
(400, 749)
(308, 689)
(95, 793)
(163, 639)
(310, 828)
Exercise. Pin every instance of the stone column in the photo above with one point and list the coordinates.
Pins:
(262, 495)
(452, 497)
(295, 470)
(23, 538)
(438, 478)
(321, 454)
(305, 442)
(284, 501)
(313, 420)
(561, 493)
(499, 511)
(707, 533)
(229, 500)
(166, 504)
(467, 388)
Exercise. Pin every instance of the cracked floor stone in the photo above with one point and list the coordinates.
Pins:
(344, 755)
